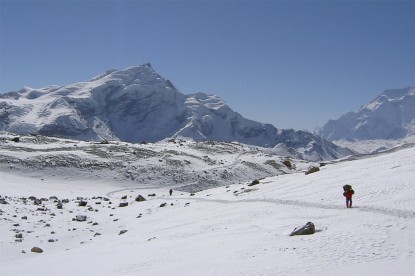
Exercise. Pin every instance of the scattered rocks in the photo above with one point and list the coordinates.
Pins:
(41, 214)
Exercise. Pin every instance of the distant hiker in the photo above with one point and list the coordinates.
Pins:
(348, 193)
(171, 192)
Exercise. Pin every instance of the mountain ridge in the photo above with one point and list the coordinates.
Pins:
(390, 116)
(137, 105)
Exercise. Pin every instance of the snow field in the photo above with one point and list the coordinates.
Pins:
(233, 230)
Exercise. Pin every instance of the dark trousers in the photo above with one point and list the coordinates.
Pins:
(348, 202)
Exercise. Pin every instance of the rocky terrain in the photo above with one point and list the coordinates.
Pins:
(187, 165)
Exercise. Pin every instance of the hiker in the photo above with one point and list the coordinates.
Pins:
(348, 193)
(171, 192)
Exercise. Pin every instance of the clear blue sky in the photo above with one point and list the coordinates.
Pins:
(292, 64)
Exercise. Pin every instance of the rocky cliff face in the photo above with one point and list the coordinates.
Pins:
(390, 116)
(135, 105)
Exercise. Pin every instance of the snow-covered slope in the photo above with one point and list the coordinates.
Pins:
(135, 105)
(188, 165)
(233, 230)
(391, 116)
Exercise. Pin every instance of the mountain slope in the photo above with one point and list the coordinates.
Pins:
(135, 105)
(390, 116)
(186, 165)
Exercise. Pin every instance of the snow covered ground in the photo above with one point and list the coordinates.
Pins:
(373, 146)
(229, 230)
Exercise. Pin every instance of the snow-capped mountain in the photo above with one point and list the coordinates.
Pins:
(391, 116)
(138, 105)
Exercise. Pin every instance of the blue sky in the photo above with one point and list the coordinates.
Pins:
(294, 64)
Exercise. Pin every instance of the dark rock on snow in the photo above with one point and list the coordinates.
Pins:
(36, 250)
(307, 229)
(140, 198)
(80, 218)
(82, 203)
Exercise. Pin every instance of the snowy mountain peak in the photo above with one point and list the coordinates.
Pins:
(135, 75)
(136, 104)
(390, 116)
(398, 94)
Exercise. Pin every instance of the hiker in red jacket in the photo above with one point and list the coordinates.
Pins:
(348, 193)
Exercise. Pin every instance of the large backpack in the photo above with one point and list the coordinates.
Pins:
(347, 187)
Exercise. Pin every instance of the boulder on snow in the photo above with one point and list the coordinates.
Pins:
(36, 249)
(140, 198)
(80, 218)
(82, 203)
(123, 204)
(307, 229)
(254, 182)
(37, 202)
